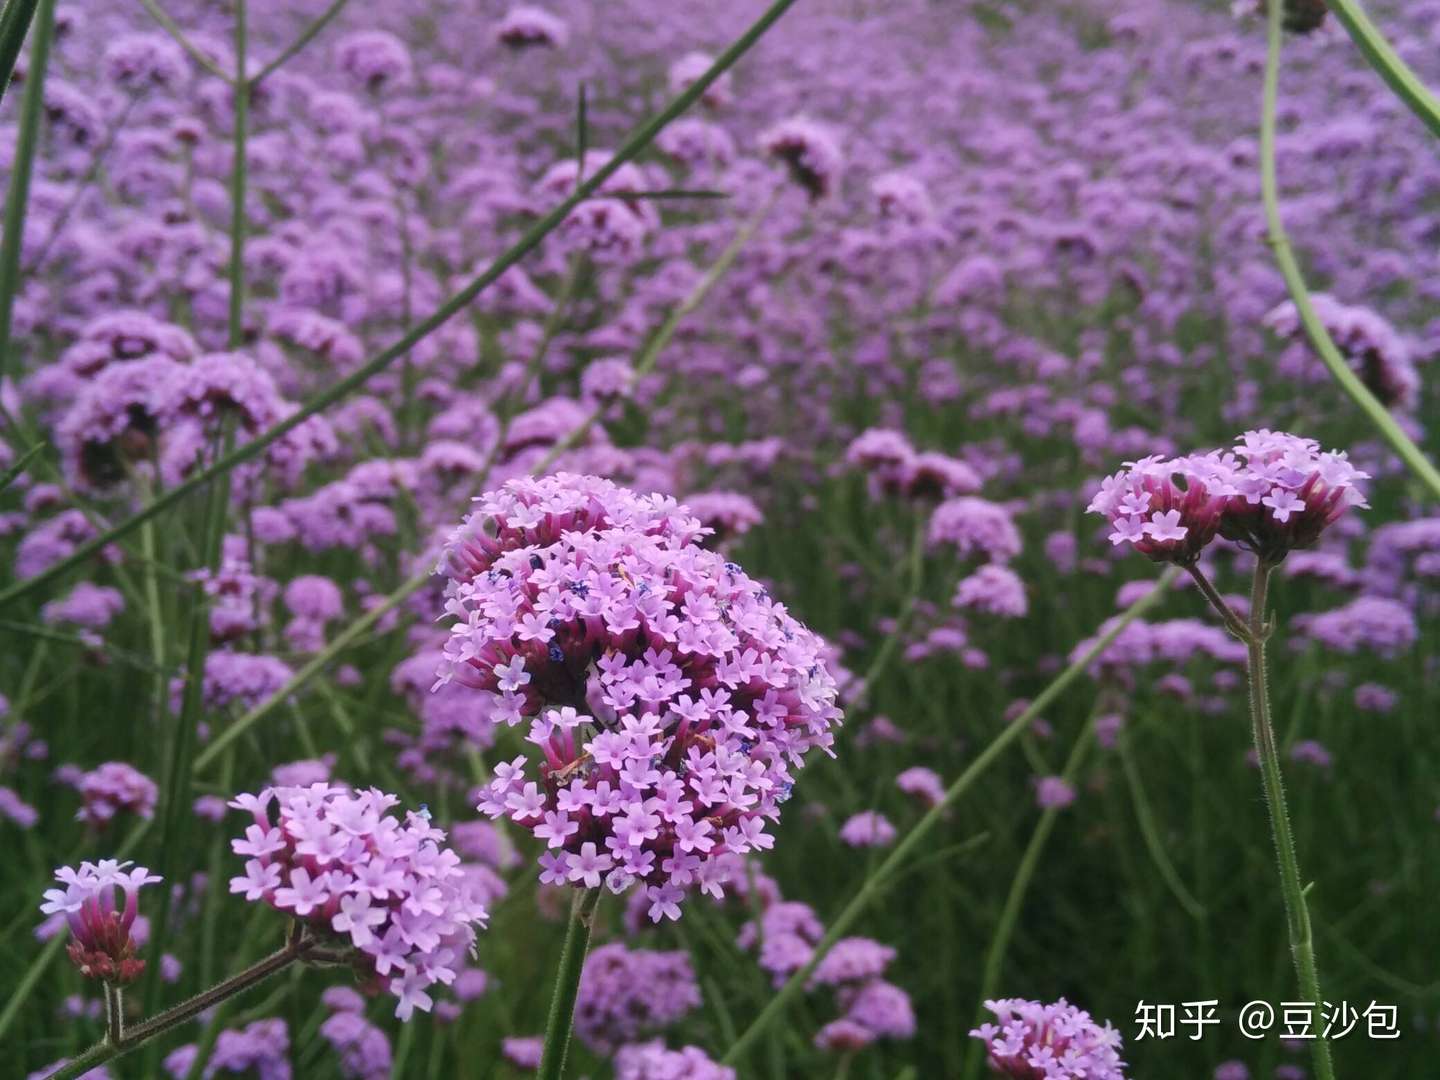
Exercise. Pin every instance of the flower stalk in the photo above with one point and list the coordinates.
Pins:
(1257, 630)
(120, 1040)
(567, 983)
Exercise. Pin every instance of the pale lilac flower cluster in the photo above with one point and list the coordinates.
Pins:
(868, 828)
(529, 27)
(112, 788)
(261, 1050)
(1273, 493)
(652, 1061)
(810, 152)
(1033, 1041)
(1374, 349)
(1375, 623)
(670, 696)
(360, 879)
(626, 993)
(101, 945)
(894, 466)
(687, 70)
(362, 1048)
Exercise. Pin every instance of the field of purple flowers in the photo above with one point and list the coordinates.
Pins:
(686, 540)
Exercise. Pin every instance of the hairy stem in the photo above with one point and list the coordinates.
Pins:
(567, 983)
(1292, 890)
(113, 1045)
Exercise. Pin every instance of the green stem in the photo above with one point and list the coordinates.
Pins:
(567, 983)
(1015, 900)
(111, 1048)
(182, 738)
(17, 200)
(14, 25)
(1319, 337)
(632, 146)
(238, 175)
(1385, 60)
(172, 28)
(306, 36)
(870, 888)
(1292, 890)
(1153, 844)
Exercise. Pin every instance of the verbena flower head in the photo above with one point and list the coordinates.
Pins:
(530, 27)
(652, 1061)
(1033, 1041)
(670, 696)
(360, 879)
(112, 788)
(101, 946)
(626, 993)
(808, 150)
(1271, 494)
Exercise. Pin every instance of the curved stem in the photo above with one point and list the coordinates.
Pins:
(870, 888)
(1151, 835)
(1233, 622)
(1319, 337)
(632, 146)
(1292, 890)
(113, 1047)
(567, 983)
(17, 199)
(1385, 60)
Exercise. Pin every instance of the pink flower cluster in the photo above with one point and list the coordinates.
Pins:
(101, 946)
(670, 696)
(1050, 1042)
(1273, 493)
(112, 788)
(334, 860)
(808, 150)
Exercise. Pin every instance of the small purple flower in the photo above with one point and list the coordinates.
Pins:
(101, 945)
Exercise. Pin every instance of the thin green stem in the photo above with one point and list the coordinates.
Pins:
(316, 664)
(1292, 889)
(1015, 899)
(238, 176)
(14, 25)
(306, 36)
(878, 878)
(567, 983)
(173, 29)
(1151, 834)
(1319, 337)
(637, 141)
(1385, 60)
(17, 200)
(182, 735)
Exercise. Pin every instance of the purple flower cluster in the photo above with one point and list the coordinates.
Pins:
(1033, 1041)
(670, 696)
(386, 890)
(1272, 494)
(627, 993)
(112, 788)
(101, 943)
